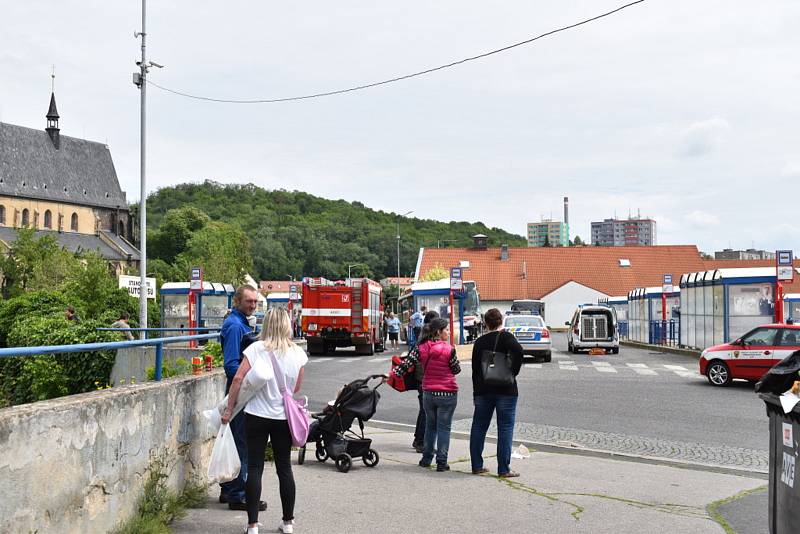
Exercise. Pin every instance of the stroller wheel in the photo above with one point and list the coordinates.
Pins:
(371, 459)
(344, 462)
(301, 455)
(321, 453)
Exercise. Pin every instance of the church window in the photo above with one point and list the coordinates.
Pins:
(74, 222)
(48, 219)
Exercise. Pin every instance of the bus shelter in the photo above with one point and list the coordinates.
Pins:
(213, 304)
(278, 300)
(646, 321)
(791, 307)
(720, 305)
(620, 307)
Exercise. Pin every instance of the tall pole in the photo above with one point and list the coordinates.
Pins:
(397, 306)
(143, 188)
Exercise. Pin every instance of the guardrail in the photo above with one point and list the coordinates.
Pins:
(665, 333)
(158, 343)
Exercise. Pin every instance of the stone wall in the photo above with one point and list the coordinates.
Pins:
(78, 464)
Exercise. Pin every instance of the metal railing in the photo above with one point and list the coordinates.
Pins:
(665, 333)
(158, 343)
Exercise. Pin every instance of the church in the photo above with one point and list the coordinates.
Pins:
(66, 187)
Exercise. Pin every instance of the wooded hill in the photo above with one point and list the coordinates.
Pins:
(291, 233)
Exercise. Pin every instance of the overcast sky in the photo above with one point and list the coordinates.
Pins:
(686, 110)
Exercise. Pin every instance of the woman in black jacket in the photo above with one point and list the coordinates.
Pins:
(488, 399)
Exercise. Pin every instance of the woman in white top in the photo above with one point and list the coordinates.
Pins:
(265, 417)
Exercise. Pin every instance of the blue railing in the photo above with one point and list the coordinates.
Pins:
(109, 345)
(665, 332)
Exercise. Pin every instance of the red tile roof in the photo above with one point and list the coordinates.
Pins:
(277, 286)
(550, 268)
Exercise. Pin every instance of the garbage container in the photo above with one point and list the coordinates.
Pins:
(784, 487)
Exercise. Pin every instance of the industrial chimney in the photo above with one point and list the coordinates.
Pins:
(566, 210)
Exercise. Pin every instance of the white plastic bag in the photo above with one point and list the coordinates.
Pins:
(224, 465)
(254, 380)
(521, 452)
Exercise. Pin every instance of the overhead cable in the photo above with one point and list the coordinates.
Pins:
(397, 78)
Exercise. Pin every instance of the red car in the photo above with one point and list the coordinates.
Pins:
(750, 356)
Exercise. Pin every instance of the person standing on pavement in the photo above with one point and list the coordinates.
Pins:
(265, 415)
(402, 369)
(489, 399)
(235, 326)
(417, 321)
(439, 391)
(393, 326)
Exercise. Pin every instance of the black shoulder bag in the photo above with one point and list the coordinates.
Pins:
(496, 366)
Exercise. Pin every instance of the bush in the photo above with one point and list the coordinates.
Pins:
(168, 369)
(43, 378)
(214, 349)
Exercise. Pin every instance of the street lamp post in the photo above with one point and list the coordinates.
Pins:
(397, 309)
(351, 266)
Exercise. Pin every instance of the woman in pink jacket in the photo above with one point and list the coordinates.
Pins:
(439, 391)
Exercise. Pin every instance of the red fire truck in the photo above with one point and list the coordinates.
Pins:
(343, 314)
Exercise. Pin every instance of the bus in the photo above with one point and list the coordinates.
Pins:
(435, 296)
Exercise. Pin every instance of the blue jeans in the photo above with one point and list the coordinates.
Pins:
(438, 419)
(506, 407)
(235, 488)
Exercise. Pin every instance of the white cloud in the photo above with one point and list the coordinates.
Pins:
(791, 169)
(703, 137)
(702, 219)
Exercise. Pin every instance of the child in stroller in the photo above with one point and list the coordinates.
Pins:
(331, 431)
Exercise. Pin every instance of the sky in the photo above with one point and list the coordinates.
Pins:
(683, 111)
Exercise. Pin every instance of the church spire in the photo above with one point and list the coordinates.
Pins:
(52, 115)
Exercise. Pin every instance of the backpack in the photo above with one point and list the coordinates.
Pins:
(781, 377)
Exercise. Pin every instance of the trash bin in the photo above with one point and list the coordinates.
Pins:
(784, 486)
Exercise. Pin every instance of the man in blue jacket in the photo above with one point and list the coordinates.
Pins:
(235, 326)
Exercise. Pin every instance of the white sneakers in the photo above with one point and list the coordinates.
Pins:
(252, 530)
(286, 527)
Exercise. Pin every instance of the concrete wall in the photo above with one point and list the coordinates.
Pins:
(132, 362)
(78, 464)
(561, 303)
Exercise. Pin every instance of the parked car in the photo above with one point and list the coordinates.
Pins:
(593, 326)
(531, 332)
(750, 356)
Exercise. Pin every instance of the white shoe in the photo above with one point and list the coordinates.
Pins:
(286, 527)
(252, 530)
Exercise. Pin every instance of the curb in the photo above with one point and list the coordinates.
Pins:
(661, 348)
(593, 453)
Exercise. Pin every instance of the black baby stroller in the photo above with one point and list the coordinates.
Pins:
(331, 432)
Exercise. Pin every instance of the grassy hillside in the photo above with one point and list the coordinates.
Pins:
(294, 233)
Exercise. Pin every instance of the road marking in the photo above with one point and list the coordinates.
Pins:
(604, 367)
(346, 360)
(319, 360)
(637, 365)
(384, 359)
(567, 365)
(533, 365)
(675, 367)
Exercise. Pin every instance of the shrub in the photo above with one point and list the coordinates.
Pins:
(42, 378)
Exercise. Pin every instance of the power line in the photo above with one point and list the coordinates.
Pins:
(398, 78)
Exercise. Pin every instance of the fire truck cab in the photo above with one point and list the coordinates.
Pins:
(343, 314)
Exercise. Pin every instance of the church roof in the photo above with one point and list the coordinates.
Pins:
(79, 172)
(52, 112)
(112, 248)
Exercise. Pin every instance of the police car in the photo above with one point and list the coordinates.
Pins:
(531, 333)
(750, 356)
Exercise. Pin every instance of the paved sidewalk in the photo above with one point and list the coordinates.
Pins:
(557, 492)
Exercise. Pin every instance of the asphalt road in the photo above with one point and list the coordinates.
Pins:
(638, 401)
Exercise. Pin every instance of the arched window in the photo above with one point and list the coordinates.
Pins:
(74, 222)
(2, 214)
(26, 217)
(122, 229)
(48, 219)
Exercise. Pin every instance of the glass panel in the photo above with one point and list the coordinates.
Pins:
(719, 315)
(749, 306)
(437, 303)
(524, 320)
(761, 337)
(789, 338)
(684, 296)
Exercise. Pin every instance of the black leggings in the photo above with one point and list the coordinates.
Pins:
(258, 429)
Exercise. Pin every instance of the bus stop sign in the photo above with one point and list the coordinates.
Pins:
(456, 283)
(785, 265)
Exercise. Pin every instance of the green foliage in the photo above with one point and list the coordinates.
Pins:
(158, 506)
(578, 241)
(175, 231)
(33, 263)
(213, 348)
(169, 369)
(44, 377)
(221, 249)
(437, 272)
(294, 233)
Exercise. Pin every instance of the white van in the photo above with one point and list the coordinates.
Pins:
(593, 326)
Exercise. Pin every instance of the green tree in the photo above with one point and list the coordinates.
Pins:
(223, 250)
(547, 241)
(437, 272)
(578, 241)
(175, 231)
(33, 263)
